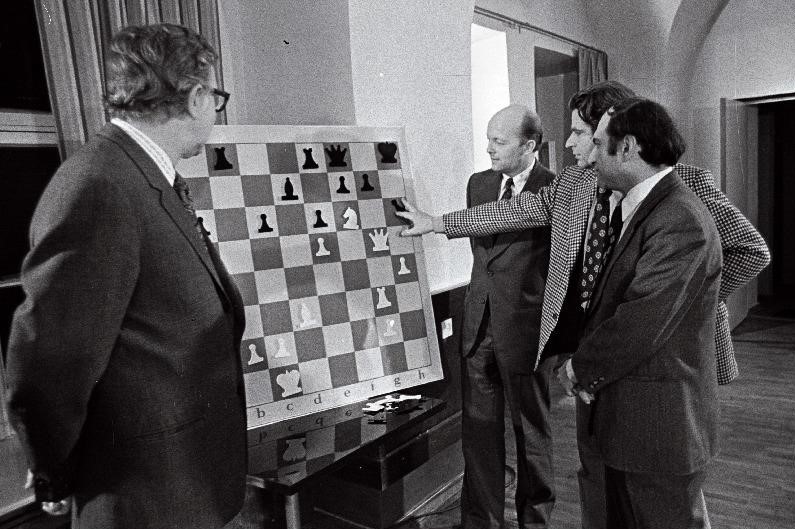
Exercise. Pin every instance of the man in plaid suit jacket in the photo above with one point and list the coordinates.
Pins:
(566, 205)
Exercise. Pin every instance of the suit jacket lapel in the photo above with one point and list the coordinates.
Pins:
(168, 198)
(648, 204)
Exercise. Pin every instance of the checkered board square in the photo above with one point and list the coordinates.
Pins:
(337, 303)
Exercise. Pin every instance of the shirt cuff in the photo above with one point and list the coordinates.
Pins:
(438, 224)
(570, 371)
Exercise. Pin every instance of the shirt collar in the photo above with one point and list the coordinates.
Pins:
(637, 194)
(155, 152)
(521, 179)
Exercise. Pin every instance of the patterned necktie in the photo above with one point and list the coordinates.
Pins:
(508, 193)
(594, 254)
(183, 192)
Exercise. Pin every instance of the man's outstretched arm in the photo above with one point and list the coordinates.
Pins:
(523, 211)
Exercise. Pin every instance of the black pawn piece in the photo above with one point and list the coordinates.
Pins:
(319, 223)
(366, 184)
(204, 230)
(342, 188)
(387, 150)
(264, 228)
(289, 192)
(310, 162)
(221, 163)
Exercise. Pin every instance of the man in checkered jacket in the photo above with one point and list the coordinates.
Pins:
(567, 205)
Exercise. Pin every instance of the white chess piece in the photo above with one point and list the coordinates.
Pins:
(321, 250)
(351, 219)
(403, 268)
(281, 352)
(379, 238)
(254, 358)
(289, 381)
(295, 450)
(383, 302)
(306, 317)
(390, 329)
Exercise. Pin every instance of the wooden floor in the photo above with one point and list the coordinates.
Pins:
(751, 484)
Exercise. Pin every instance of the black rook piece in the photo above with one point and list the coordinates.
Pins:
(221, 162)
(387, 150)
(336, 155)
(310, 162)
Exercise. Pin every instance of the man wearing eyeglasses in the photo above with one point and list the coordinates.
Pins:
(125, 381)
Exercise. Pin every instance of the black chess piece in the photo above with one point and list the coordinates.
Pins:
(310, 162)
(264, 228)
(342, 188)
(366, 183)
(336, 156)
(289, 192)
(319, 223)
(221, 163)
(387, 150)
(398, 203)
(204, 230)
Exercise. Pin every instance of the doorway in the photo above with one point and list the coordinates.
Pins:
(776, 159)
(556, 79)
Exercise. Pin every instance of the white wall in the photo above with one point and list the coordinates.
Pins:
(289, 62)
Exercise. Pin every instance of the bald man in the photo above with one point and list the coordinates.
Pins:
(500, 339)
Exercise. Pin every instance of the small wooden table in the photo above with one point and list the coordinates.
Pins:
(285, 456)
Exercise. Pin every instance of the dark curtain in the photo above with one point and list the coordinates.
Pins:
(592, 66)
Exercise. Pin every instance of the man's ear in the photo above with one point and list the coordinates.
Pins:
(194, 102)
(531, 145)
(629, 146)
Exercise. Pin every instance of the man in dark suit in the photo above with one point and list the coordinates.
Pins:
(500, 337)
(125, 381)
(646, 361)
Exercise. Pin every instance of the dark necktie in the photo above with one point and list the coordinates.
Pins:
(183, 192)
(613, 233)
(508, 192)
(598, 238)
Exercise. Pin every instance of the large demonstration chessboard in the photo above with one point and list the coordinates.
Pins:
(337, 303)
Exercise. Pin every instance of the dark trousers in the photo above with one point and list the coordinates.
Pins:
(653, 501)
(487, 386)
(591, 479)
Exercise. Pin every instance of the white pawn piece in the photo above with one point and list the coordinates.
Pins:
(379, 238)
(383, 302)
(403, 268)
(390, 329)
(254, 358)
(281, 352)
(306, 317)
(351, 219)
(321, 250)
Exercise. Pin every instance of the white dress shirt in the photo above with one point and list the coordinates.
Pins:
(518, 181)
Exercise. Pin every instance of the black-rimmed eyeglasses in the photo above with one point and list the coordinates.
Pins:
(221, 98)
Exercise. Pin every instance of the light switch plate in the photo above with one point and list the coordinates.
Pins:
(447, 328)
